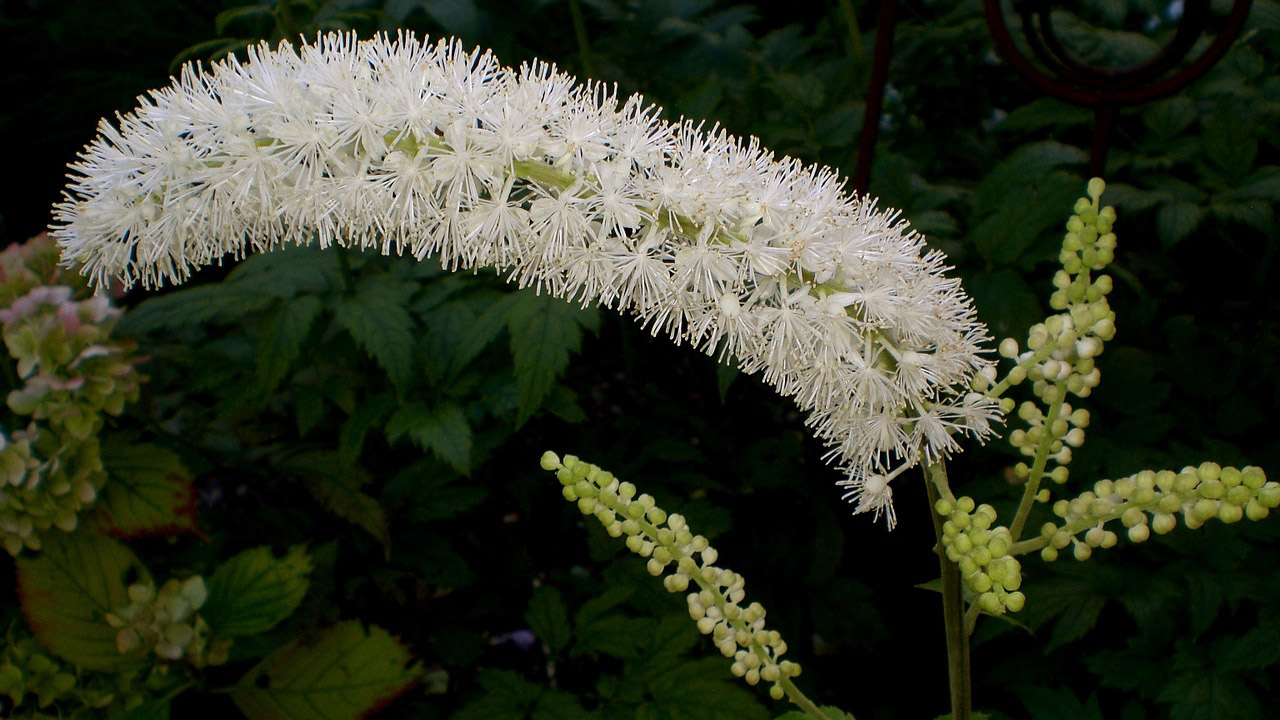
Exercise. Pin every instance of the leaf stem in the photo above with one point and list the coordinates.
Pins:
(953, 613)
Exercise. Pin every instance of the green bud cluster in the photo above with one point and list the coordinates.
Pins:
(1059, 357)
(72, 374)
(981, 552)
(35, 681)
(716, 606)
(166, 622)
(1151, 501)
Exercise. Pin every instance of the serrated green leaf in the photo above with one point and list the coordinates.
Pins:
(337, 487)
(343, 674)
(507, 696)
(1211, 696)
(289, 271)
(458, 331)
(441, 428)
(427, 489)
(1061, 704)
(379, 323)
(148, 492)
(1028, 210)
(68, 589)
(254, 591)
(280, 342)
(544, 332)
(367, 414)
(548, 618)
(192, 306)
(698, 690)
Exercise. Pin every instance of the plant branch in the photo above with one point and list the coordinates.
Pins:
(953, 612)
(1037, 469)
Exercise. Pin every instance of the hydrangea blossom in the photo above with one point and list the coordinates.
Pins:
(401, 145)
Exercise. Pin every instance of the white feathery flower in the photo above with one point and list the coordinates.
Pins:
(405, 146)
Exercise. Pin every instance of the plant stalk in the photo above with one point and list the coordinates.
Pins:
(953, 614)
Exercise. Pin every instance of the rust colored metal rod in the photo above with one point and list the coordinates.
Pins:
(1118, 97)
(1190, 25)
(875, 95)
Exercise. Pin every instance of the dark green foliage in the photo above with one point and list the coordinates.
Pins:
(412, 404)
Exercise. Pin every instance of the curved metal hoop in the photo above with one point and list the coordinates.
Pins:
(1080, 84)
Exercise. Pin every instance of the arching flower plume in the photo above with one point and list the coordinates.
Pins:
(400, 145)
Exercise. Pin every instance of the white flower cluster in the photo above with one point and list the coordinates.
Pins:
(401, 145)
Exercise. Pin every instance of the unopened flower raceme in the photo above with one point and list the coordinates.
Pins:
(402, 146)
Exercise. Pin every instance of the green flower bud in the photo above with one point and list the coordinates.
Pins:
(1228, 513)
(550, 461)
(1048, 554)
(943, 507)
(1015, 601)
(1163, 523)
(1204, 509)
(989, 603)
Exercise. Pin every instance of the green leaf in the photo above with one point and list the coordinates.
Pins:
(156, 708)
(280, 342)
(377, 320)
(192, 306)
(427, 489)
(698, 690)
(344, 674)
(148, 492)
(440, 428)
(1211, 695)
(337, 487)
(67, 590)
(1176, 220)
(1061, 704)
(1044, 113)
(549, 619)
(544, 332)
(227, 17)
(368, 414)
(456, 333)
(254, 591)
(507, 696)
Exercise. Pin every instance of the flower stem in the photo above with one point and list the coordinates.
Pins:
(798, 699)
(952, 605)
(1037, 469)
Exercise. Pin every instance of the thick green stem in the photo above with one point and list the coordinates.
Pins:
(952, 604)
(1037, 469)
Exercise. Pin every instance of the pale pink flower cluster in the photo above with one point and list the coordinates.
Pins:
(403, 146)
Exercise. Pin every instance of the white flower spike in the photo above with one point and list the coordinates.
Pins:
(400, 145)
